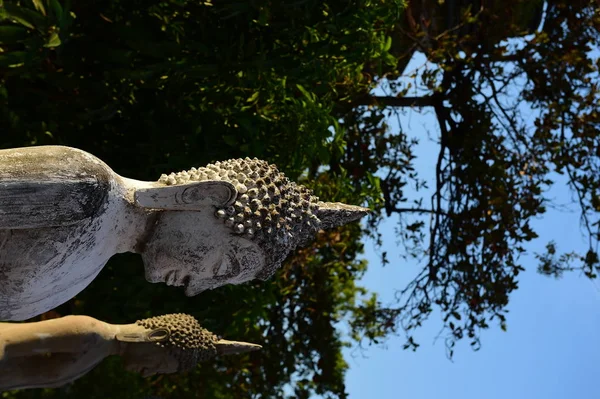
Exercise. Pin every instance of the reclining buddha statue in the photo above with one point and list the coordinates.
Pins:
(64, 213)
(52, 353)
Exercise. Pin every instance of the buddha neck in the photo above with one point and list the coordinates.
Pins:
(135, 224)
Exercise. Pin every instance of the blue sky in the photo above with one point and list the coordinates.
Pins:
(550, 349)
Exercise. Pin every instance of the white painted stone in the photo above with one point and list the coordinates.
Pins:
(48, 255)
(64, 213)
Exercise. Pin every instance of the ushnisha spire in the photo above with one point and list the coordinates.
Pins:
(269, 209)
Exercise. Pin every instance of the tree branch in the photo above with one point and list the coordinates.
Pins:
(391, 101)
(417, 210)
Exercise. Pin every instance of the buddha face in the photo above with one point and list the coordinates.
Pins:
(196, 251)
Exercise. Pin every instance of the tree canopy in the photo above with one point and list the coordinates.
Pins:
(158, 86)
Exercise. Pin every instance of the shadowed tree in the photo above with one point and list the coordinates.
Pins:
(489, 63)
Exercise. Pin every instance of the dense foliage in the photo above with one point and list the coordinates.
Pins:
(157, 86)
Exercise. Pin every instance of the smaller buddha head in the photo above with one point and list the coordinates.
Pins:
(174, 343)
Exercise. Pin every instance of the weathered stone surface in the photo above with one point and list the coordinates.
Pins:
(64, 213)
(52, 353)
(50, 186)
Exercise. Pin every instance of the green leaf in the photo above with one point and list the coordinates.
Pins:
(53, 40)
(305, 92)
(388, 43)
(253, 97)
(26, 17)
(57, 10)
(10, 34)
(389, 59)
(39, 5)
(13, 59)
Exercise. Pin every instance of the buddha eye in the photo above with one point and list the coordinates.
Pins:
(228, 268)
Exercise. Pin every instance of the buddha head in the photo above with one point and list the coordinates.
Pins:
(174, 343)
(230, 222)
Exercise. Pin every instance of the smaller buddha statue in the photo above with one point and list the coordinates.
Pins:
(52, 353)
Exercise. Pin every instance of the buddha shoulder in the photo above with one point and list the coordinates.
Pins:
(50, 186)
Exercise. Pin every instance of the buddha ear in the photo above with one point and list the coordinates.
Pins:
(187, 197)
(156, 335)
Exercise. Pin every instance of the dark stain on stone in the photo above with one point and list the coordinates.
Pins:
(50, 186)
